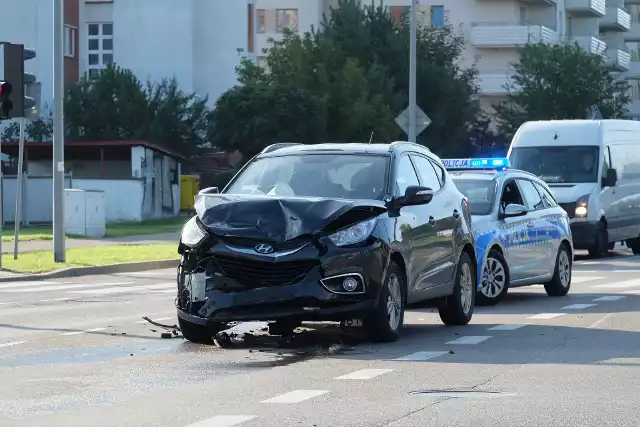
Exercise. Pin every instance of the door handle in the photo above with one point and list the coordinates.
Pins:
(531, 226)
(456, 214)
(432, 221)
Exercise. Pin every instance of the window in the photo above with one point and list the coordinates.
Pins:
(547, 197)
(480, 192)
(634, 50)
(398, 13)
(634, 10)
(510, 195)
(427, 172)
(69, 41)
(437, 16)
(406, 176)
(261, 21)
(549, 162)
(262, 62)
(634, 88)
(100, 47)
(531, 196)
(286, 18)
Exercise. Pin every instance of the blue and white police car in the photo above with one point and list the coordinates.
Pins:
(522, 235)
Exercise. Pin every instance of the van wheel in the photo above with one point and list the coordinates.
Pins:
(494, 280)
(601, 246)
(634, 245)
(384, 323)
(457, 308)
(561, 281)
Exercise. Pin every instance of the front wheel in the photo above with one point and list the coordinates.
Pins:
(634, 245)
(601, 246)
(457, 308)
(199, 334)
(385, 322)
(494, 280)
(561, 281)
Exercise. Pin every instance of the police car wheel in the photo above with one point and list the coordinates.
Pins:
(494, 280)
(384, 323)
(561, 281)
(457, 308)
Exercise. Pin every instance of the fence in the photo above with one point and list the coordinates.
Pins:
(37, 198)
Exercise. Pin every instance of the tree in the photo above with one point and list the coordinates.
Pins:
(353, 78)
(559, 81)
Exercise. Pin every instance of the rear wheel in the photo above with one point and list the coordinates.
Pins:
(384, 323)
(634, 245)
(601, 245)
(561, 281)
(457, 308)
(494, 280)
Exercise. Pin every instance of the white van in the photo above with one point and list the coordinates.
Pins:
(593, 169)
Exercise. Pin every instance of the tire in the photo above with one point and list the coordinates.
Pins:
(634, 245)
(561, 282)
(495, 280)
(457, 308)
(384, 323)
(195, 333)
(601, 247)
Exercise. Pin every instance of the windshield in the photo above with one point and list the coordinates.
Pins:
(480, 192)
(337, 176)
(558, 164)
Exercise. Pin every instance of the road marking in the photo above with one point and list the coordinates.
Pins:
(584, 279)
(168, 291)
(625, 284)
(223, 421)
(9, 344)
(610, 298)
(296, 396)
(578, 306)
(632, 292)
(61, 299)
(147, 273)
(421, 356)
(507, 327)
(545, 316)
(24, 284)
(364, 374)
(64, 287)
(159, 319)
(600, 321)
(471, 339)
(125, 289)
(82, 332)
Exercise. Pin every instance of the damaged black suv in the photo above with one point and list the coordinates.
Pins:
(329, 232)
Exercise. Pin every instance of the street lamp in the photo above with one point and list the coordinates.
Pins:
(412, 73)
(58, 131)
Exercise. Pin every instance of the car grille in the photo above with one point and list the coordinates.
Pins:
(262, 273)
(243, 242)
(570, 208)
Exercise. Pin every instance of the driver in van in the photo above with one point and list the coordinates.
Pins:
(587, 170)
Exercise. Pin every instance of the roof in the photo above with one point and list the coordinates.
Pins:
(490, 174)
(334, 147)
(48, 146)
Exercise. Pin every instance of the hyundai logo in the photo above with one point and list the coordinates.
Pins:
(263, 248)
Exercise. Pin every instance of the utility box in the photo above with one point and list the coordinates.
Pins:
(189, 187)
(85, 213)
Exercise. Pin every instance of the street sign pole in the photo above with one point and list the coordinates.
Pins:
(412, 74)
(19, 189)
(58, 132)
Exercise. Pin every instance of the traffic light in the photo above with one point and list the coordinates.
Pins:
(15, 81)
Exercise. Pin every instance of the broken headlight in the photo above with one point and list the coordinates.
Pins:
(355, 234)
(193, 233)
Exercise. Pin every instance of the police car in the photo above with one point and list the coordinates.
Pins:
(522, 235)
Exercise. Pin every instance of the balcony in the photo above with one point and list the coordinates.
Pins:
(591, 8)
(618, 59)
(492, 83)
(500, 35)
(616, 19)
(593, 45)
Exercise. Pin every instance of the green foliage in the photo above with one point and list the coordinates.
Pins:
(347, 82)
(560, 82)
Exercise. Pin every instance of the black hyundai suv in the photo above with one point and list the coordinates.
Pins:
(328, 232)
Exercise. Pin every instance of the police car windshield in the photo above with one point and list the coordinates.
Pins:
(558, 164)
(480, 192)
(336, 176)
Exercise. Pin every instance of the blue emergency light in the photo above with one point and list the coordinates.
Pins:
(487, 164)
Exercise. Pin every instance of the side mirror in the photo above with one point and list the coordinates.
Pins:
(209, 190)
(513, 210)
(611, 179)
(415, 195)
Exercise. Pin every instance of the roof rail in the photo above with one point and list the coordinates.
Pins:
(277, 146)
(396, 143)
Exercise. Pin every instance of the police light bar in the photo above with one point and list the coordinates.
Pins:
(486, 164)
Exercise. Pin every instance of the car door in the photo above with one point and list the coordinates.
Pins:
(536, 249)
(417, 233)
(513, 232)
(440, 216)
(550, 231)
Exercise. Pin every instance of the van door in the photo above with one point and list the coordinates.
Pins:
(609, 199)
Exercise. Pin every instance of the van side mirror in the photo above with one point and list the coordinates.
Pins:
(513, 210)
(611, 179)
(209, 190)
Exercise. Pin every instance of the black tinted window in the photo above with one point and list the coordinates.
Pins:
(531, 196)
(406, 176)
(558, 163)
(427, 172)
(480, 192)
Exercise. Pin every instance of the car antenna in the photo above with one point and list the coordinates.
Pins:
(371, 138)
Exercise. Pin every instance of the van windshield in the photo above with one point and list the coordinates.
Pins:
(558, 163)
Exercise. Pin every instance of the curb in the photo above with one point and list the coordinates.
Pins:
(128, 267)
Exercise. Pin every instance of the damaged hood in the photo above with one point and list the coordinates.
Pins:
(273, 218)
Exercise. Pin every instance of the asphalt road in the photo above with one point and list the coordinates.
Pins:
(76, 352)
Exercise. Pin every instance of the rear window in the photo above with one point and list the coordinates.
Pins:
(480, 192)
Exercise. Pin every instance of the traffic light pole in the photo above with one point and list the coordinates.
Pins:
(19, 190)
(58, 132)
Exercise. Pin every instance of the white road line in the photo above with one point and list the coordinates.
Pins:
(158, 319)
(364, 374)
(584, 279)
(61, 299)
(296, 396)
(578, 306)
(223, 421)
(9, 344)
(600, 321)
(471, 340)
(10, 285)
(168, 291)
(147, 273)
(610, 298)
(65, 287)
(625, 284)
(632, 292)
(507, 327)
(421, 356)
(82, 332)
(124, 289)
(545, 316)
